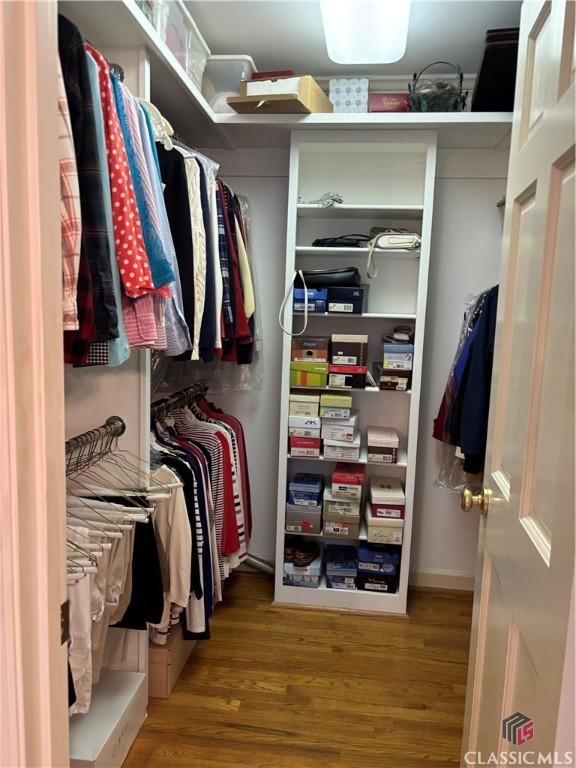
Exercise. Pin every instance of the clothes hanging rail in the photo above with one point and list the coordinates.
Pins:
(183, 397)
(89, 447)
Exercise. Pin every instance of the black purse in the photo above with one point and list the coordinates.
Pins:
(328, 277)
(342, 241)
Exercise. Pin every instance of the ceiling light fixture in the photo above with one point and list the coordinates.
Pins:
(365, 31)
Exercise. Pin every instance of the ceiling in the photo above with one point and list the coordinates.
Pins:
(281, 34)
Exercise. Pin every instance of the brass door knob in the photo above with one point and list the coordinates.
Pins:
(470, 499)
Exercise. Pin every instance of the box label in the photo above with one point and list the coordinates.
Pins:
(381, 458)
(339, 307)
(344, 360)
(376, 587)
(385, 512)
(334, 413)
(333, 528)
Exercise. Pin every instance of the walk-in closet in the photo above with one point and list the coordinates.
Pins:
(280, 311)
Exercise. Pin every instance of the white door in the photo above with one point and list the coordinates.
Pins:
(526, 553)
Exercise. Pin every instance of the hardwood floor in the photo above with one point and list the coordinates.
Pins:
(288, 688)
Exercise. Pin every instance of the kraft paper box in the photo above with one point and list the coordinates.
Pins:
(301, 519)
(314, 348)
(349, 349)
(304, 405)
(387, 497)
(342, 526)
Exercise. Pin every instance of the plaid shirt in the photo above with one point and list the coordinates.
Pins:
(70, 216)
(227, 312)
(95, 247)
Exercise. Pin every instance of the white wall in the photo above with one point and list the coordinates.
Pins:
(465, 258)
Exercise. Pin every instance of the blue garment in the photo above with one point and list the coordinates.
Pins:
(161, 270)
(476, 400)
(118, 349)
(177, 333)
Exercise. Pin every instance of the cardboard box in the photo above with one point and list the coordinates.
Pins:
(336, 401)
(314, 348)
(335, 449)
(303, 519)
(166, 662)
(383, 443)
(317, 300)
(304, 405)
(288, 95)
(308, 374)
(379, 558)
(342, 430)
(377, 582)
(308, 576)
(390, 379)
(340, 507)
(304, 432)
(341, 566)
(388, 102)
(397, 357)
(383, 530)
(387, 497)
(347, 376)
(347, 300)
(347, 481)
(341, 526)
(304, 422)
(349, 349)
(305, 489)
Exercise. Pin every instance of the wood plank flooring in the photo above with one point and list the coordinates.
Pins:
(287, 688)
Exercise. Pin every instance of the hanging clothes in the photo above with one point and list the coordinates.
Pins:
(462, 419)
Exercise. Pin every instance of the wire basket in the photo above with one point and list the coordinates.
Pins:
(443, 95)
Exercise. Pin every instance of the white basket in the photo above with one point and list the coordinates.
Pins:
(222, 77)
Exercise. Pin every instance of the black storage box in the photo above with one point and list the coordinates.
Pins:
(496, 81)
(348, 300)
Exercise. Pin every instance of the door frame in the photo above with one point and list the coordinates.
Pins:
(33, 704)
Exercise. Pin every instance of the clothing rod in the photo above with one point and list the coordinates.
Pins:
(177, 400)
(114, 427)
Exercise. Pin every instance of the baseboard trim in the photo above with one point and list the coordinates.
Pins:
(434, 579)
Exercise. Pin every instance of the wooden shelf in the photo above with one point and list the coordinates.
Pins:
(315, 211)
(366, 315)
(402, 459)
(310, 250)
(344, 390)
(362, 535)
(121, 25)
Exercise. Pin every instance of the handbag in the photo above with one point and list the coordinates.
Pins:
(317, 278)
(342, 241)
(328, 277)
(388, 239)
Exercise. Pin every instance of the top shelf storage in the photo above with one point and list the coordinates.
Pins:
(315, 211)
(122, 25)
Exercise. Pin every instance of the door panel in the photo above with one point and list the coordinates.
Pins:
(527, 538)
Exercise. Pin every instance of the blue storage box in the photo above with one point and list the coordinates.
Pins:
(397, 357)
(379, 558)
(317, 299)
(341, 566)
(306, 489)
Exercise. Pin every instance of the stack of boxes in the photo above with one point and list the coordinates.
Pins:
(304, 426)
(304, 506)
(341, 566)
(342, 502)
(348, 361)
(309, 364)
(385, 511)
(340, 431)
(378, 567)
(395, 373)
(383, 444)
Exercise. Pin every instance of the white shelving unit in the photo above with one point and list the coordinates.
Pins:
(384, 177)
